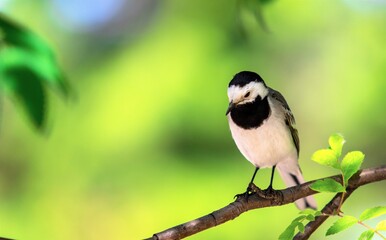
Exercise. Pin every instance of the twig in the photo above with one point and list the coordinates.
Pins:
(370, 228)
(280, 197)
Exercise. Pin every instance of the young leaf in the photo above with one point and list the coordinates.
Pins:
(366, 235)
(300, 227)
(381, 225)
(310, 217)
(307, 211)
(289, 232)
(341, 224)
(298, 219)
(336, 142)
(326, 157)
(318, 213)
(327, 185)
(309, 214)
(351, 163)
(372, 213)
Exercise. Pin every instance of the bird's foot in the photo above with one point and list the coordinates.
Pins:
(270, 193)
(251, 189)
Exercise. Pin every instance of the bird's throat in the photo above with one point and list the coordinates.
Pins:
(251, 115)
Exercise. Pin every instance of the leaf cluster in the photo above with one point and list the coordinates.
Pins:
(347, 221)
(348, 166)
(27, 67)
(305, 215)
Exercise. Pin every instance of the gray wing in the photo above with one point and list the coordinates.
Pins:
(289, 117)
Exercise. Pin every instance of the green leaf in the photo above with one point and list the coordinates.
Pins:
(309, 214)
(318, 213)
(307, 211)
(27, 66)
(327, 185)
(336, 142)
(300, 227)
(381, 225)
(366, 235)
(299, 218)
(351, 163)
(341, 224)
(25, 48)
(16, 35)
(23, 85)
(310, 217)
(289, 232)
(326, 157)
(372, 213)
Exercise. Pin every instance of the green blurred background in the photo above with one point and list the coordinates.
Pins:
(145, 143)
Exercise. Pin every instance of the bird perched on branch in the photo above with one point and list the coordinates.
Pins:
(263, 128)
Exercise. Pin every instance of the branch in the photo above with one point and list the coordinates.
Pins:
(328, 209)
(260, 200)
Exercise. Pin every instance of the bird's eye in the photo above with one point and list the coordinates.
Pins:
(247, 94)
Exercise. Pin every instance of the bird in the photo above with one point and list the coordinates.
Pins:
(263, 127)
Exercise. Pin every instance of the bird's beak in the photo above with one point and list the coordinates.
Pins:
(230, 107)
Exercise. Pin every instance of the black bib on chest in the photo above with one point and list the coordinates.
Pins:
(251, 115)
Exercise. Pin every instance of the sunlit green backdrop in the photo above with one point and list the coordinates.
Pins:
(144, 144)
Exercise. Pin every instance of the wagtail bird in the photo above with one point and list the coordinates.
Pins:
(263, 128)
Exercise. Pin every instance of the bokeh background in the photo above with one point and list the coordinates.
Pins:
(144, 145)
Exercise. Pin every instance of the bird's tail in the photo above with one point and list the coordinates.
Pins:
(293, 178)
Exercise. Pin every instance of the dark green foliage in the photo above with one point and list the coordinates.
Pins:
(27, 67)
(25, 86)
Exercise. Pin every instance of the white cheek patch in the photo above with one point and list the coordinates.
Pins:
(236, 93)
(258, 88)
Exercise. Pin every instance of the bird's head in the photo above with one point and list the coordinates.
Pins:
(245, 87)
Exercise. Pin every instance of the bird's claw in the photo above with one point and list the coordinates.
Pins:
(242, 195)
(251, 189)
(270, 193)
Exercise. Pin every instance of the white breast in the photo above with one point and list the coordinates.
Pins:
(266, 145)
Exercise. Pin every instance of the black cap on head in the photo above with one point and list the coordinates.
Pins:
(243, 78)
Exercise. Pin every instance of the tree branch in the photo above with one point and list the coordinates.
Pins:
(280, 197)
(328, 209)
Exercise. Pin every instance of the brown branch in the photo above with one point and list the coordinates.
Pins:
(260, 200)
(329, 209)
